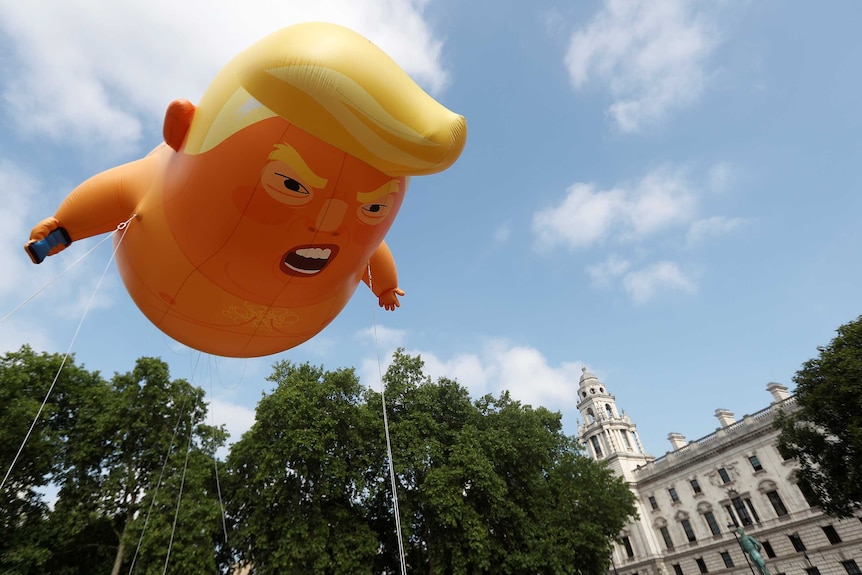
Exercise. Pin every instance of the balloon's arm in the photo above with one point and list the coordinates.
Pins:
(95, 207)
(384, 278)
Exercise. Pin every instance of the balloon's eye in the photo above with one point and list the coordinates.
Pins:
(373, 213)
(293, 185)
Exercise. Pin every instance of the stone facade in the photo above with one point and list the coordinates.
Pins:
(691, 500)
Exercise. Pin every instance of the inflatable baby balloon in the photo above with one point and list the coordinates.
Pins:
(252, 225)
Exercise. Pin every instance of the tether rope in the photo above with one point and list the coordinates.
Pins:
(159, 482)
(182, 485)
(123, 227)
(58, 276)
(215, 459)
(392, 480)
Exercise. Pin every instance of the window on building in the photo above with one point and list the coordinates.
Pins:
(701, 564)
(767, 547)
(755, 463)
(628, 545)
(677, 570)
(732, 515)
(628, 443)
(728, 560)
(673, 496)
(608, 410)
(590, 415)
(831, 534)
(596, 446)
(666, 536)
(812, 571)
(695, 486)
(777, 503)
(652, 502)
(808, 494)
(741, 511)
(751, 508)
(796, 541)
(851, 567)
(713, 524)
(689, 532)
(725, 477)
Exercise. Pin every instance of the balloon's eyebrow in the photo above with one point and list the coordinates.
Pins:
(288, 155)
(390, 187)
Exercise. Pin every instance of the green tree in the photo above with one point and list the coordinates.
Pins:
(124, 461)
(824, 432)
(491, 486)
(25, 379)
(299, 475)
(180, 523)
(487, 486)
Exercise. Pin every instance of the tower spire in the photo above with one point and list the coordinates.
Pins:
(607, 432)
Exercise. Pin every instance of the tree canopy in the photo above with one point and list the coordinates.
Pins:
(485, 485)
(115, 454)
(824, 432)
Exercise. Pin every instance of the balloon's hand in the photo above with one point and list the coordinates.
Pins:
(389, 299)
(46, 239)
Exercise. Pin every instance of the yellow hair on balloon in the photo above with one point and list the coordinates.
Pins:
(339, 87)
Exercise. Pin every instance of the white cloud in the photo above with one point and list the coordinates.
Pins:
(236, 418)
(499, 366)
(386, 337)
(605, 273)
(585, 216)
(14, 333)
(17, 188)
(649, 55)
(644, 284)
(662, 199)
(96, 71)
(712, 227)
(664, 205)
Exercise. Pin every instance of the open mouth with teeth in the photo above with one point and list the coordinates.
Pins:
(307, 261)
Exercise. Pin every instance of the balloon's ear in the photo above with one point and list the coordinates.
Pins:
(178, 118)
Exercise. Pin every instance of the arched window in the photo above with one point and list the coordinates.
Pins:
(590, 415)
(609, 411)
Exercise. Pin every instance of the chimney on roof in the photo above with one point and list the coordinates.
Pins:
(778, 391)
(677, 440)
(725, 417)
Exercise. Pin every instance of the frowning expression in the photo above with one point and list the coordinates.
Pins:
(278, 211)
(338, 214)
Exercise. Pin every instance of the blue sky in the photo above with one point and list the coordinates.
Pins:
(664, 192)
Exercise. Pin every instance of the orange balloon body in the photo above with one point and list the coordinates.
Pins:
(206, 262)
(268, 204)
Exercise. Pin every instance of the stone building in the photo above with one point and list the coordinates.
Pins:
(691, 500)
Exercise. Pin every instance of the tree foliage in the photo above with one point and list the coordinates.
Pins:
(116, 454)
(298, 477)
(824, 433)
(25, 379)
(486, 486)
